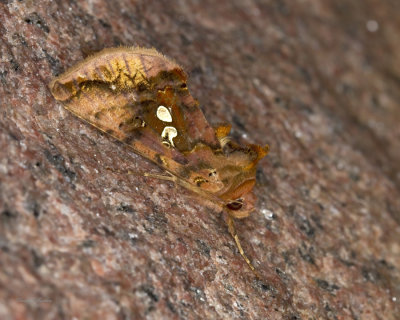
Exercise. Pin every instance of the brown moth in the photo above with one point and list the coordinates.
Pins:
(141, 98)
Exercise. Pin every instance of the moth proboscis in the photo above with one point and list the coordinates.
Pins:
(141, 98)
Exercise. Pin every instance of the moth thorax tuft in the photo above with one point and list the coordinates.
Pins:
(224, 141)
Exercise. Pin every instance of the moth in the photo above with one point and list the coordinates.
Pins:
(140, 97)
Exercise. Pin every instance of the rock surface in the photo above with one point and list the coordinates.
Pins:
(317, 80)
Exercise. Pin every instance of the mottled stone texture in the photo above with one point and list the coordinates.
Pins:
(317, 80)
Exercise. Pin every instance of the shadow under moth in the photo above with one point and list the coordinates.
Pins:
(141, 98)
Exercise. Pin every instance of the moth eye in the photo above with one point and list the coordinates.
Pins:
(212, 173)
(168, 134)
(183, 85)
(163, 114)
(235, 205)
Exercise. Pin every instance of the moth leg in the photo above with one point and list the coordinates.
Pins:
(167, 177)
(124, 171)
(143, 174)
(232, 231)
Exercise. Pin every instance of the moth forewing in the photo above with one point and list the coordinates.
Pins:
(141, 98)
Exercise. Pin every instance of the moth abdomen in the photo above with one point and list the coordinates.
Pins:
(125, 67)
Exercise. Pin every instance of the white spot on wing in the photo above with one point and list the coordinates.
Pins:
(168, 134)
(163, 114)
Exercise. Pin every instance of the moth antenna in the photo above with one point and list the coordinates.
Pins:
(115, 170)
(232, 231)
(124, 171)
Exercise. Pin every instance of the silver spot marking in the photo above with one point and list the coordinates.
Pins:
(168, 134)
(164, 115)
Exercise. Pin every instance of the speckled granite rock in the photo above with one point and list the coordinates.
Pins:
(317, 80)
